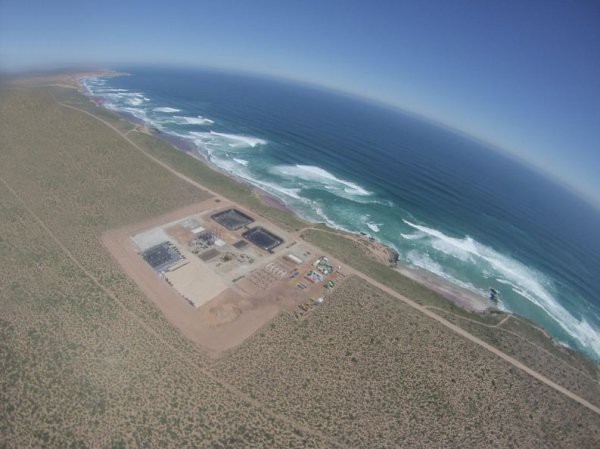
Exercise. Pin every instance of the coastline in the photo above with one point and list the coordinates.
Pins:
(68, 80)
(460, 296)
(393, 351)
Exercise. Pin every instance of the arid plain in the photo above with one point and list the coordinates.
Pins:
(88, 360)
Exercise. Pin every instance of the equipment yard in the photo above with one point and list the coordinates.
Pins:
(218, 273)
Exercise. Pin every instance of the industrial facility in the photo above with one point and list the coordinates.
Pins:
(235, 262)
(262, 238)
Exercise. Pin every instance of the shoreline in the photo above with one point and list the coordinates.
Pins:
(68, 80)
(376, 356)
(458, 295)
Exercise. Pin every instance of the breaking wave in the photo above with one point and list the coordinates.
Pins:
(373, 227)
(526, 282)
(318, 177)
(277, 189)
(320, 195)
(238, 141)
(166, 109)
(199, 120)
(424, 261)
(138, 113)
(369, 223)
(220, 142)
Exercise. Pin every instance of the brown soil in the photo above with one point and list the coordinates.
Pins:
(233, 315)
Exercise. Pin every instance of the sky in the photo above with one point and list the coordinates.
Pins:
(523, 75)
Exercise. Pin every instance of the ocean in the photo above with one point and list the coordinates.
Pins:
(447, 203)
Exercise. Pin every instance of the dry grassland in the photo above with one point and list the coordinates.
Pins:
(86, 360)
(83, 181)
(557, 363)
(79, 370)
(374, 373)
(516, 337)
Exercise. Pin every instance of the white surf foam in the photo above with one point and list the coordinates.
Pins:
(237, 167)
(375, 227)
(198, 120)
(324, 218)
(229, 166)
(110, 90)
(123, 97)
(277, 189)
(320, 176)
(220, 141)
(135, 101)
(116, 96)
(414, 236)
(136, 112)
(166, 109)
(422, 260)
(306, 207)
(238, 140)
(524, 281)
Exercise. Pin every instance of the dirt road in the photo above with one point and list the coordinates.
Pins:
(516, 363)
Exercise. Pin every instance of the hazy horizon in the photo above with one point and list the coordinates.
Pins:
(591, 200)
(522, 78)
(364, 168)
(316, 224)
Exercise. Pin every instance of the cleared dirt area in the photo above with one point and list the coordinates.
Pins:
(196, 283)
(216, 301)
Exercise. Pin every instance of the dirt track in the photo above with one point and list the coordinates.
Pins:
(386, 289)
(182, 356)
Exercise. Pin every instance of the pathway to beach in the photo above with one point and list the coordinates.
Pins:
(423, 309)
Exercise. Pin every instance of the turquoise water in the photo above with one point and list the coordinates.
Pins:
(446, 203)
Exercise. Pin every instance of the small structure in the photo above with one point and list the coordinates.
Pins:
(314, 277)
(294, 259)
(324, 266)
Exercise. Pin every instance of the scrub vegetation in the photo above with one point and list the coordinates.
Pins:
(374, 372)
(87, 361)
